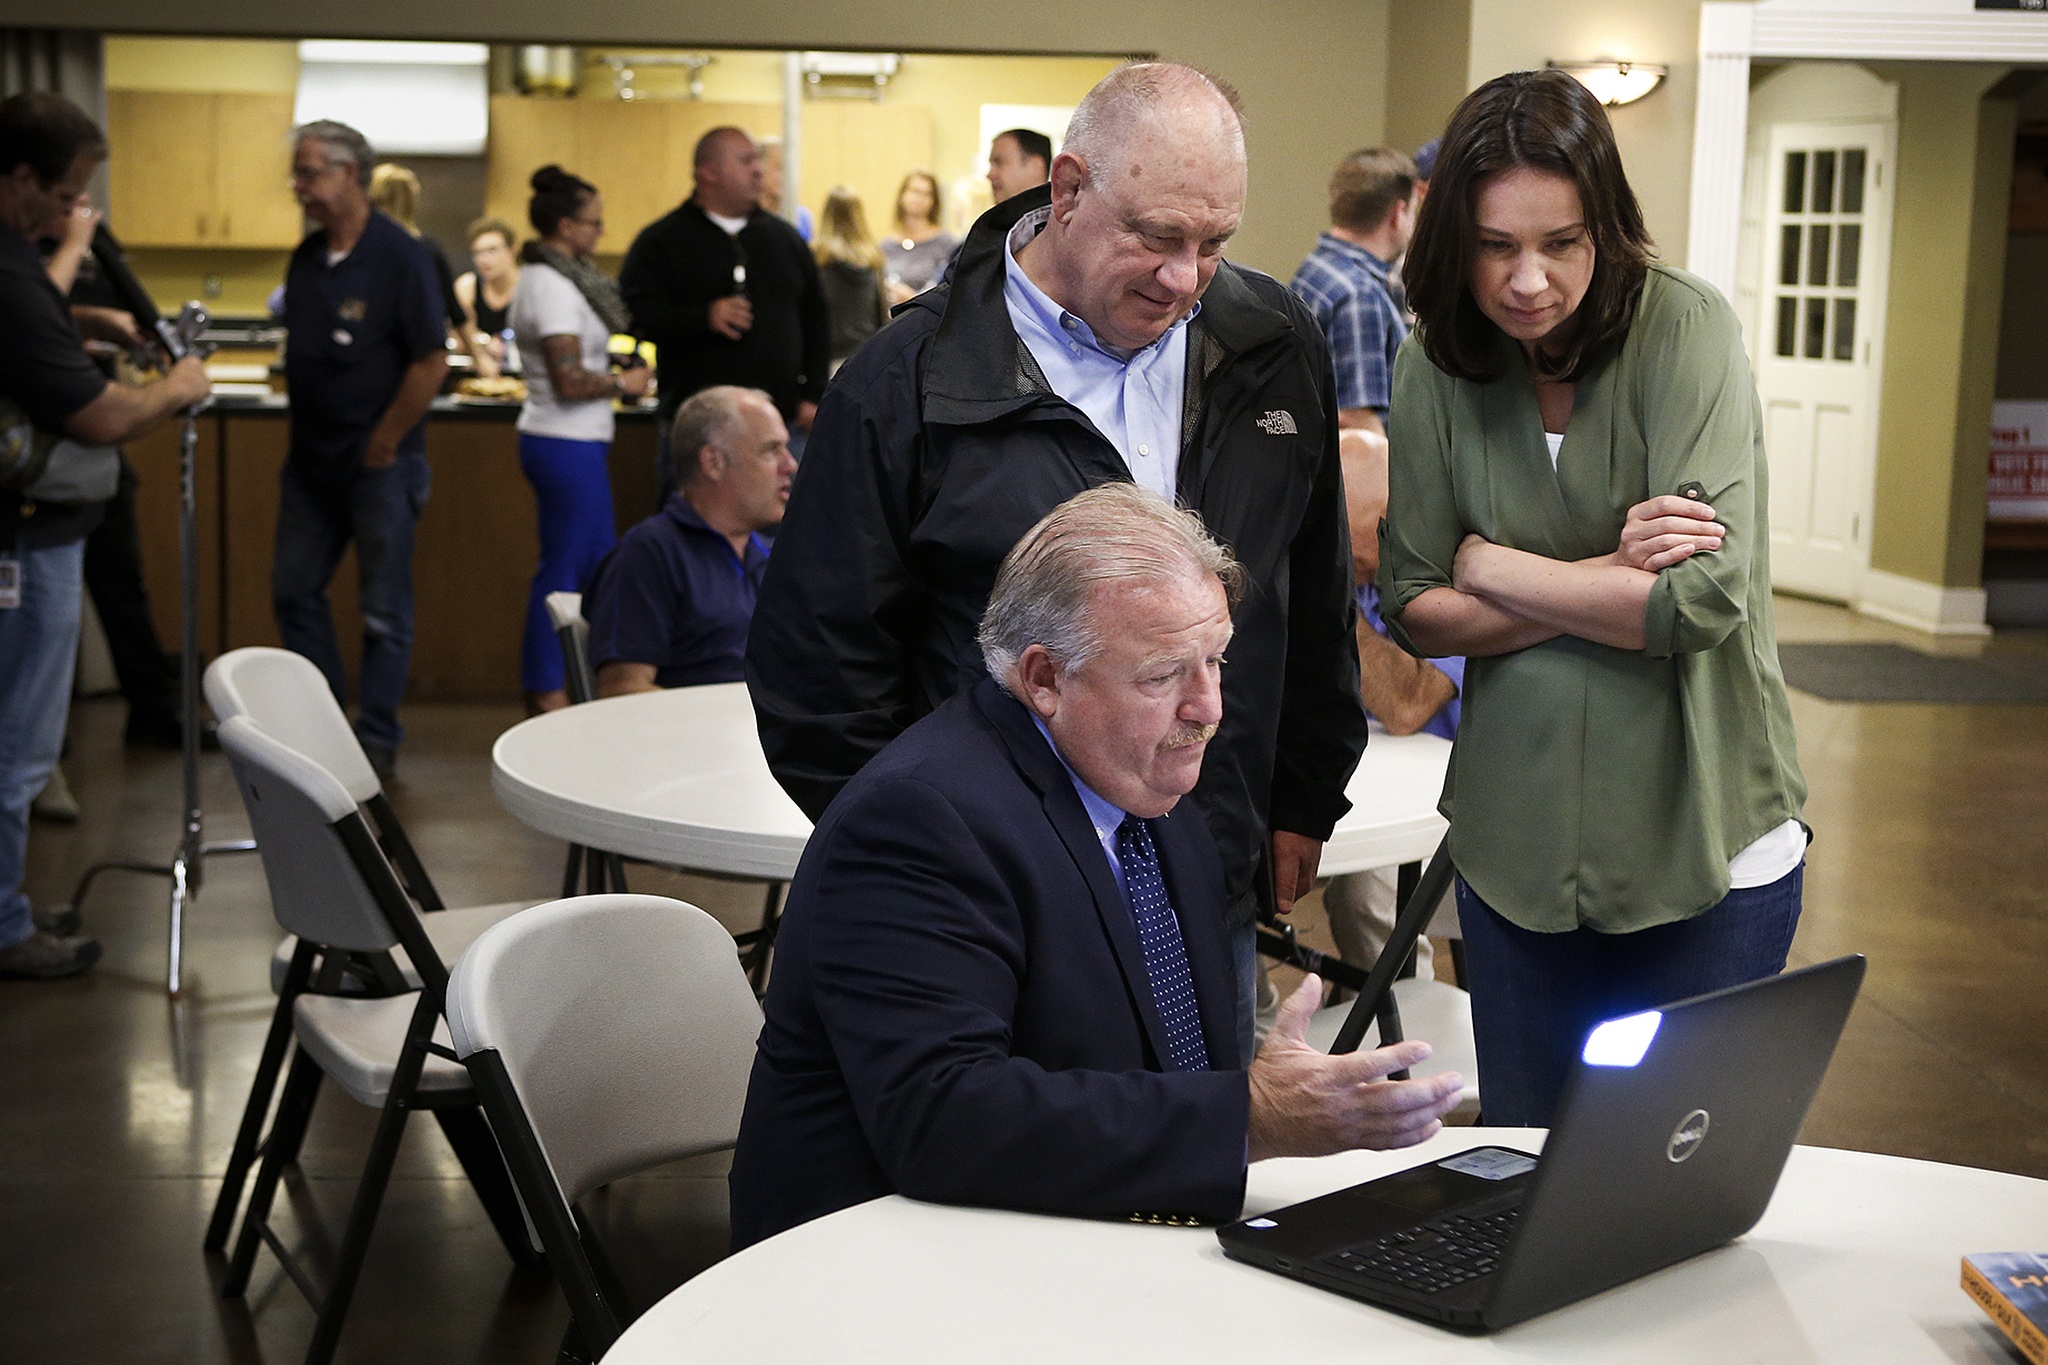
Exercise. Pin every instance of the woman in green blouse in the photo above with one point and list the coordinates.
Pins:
(1577, 504)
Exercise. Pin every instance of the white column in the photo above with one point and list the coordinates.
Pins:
(792, 133)
(1720, 129)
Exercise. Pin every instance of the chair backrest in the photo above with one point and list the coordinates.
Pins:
(317, 890)
(565, 610)
(625, 1024)
(288, 697)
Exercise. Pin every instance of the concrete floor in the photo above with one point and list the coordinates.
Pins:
(121, 1106)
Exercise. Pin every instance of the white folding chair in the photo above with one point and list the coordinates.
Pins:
(572, 632)
(607, 1035)
(285, 696)
(332, 887)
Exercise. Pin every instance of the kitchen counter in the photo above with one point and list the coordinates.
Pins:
(472, 563)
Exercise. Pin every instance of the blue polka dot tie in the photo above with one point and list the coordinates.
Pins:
(1166, 957)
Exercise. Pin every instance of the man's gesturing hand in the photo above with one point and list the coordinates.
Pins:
(1308, 1103)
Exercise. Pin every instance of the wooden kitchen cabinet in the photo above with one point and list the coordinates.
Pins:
(201, 170)
(637, 153)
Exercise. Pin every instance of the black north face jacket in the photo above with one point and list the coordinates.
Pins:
(939, 444)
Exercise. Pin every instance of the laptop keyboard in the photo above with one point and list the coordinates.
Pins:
(1434, 1256)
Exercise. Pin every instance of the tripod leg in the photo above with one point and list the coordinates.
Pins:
(180, 889)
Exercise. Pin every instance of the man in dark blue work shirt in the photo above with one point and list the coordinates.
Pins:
(670, 606)
(364, 357)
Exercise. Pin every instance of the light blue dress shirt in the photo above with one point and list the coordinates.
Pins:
(1103, 814)
(1134, 399)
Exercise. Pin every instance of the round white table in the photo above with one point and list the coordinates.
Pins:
(1856, 1260)
(677, 777)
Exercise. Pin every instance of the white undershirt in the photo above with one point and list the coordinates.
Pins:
(732, 226)
(1776, 853)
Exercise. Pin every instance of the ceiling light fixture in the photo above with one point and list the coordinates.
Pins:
(1613, 81)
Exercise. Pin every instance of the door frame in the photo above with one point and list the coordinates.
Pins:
(1876, 255)
(1733, 33)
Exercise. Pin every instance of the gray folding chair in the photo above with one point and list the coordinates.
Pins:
(333, 889)
(286, 697)
(606, 1035)
(565, 611)
(601, 871)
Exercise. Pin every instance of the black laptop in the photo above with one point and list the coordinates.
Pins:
(1674, 1128)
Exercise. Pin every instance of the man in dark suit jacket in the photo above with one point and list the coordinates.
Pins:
(1003, 973)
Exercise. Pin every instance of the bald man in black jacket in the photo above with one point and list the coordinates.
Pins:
(728, 292)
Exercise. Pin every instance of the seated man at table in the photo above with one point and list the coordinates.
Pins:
(1001, 975)
(670, 605)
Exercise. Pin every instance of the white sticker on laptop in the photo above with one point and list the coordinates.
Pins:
(1490, 1163)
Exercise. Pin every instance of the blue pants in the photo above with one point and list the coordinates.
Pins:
(1536, 996)
(318, 515)
(572, 493)
(38, 649)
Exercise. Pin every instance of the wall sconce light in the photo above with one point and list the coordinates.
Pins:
(1616, 82)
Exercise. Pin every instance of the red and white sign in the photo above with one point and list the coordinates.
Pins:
(2017, 489)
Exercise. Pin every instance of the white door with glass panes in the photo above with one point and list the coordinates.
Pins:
(1819, 324)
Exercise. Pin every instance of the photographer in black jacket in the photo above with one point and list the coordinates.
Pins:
(62, 413)
(729, 294)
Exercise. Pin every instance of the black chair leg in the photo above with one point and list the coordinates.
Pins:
(571, 870)
(294, 1112)
(618, 867)
(362, 1215)
(572, 1350)
(261, 1091)
(481, 1161)
(756, 959)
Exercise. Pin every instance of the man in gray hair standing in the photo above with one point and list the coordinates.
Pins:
(364, 356)
(1092, 333)
(1003, 976)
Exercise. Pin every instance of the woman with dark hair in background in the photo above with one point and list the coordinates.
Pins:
(564, 312)
(1577, 504)
(918, 252)
(485, 293)
(851, 268)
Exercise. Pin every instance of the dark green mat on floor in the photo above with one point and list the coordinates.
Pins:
(1848, 672)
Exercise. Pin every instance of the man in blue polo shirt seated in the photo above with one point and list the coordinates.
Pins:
(670, 606)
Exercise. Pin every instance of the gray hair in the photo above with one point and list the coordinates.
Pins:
(1130, 96)
(1115, 533)
(345, 146)
(709, 417)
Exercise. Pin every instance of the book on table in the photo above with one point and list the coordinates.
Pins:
(2012, 1288)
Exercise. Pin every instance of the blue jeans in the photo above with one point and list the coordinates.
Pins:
(572, 495)
(1536, 996)
(38, 649)
(317, 516)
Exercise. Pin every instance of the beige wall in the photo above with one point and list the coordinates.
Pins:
(952, 86)
(1941, 325)
(1431, 44)
(1313, 72)
(1655, 133)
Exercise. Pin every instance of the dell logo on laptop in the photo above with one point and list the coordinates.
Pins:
(1687, 1136)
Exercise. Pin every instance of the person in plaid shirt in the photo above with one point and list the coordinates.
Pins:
(1373, 198)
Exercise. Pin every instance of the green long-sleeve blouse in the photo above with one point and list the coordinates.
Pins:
(1593, 786)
